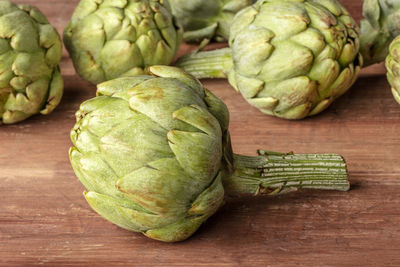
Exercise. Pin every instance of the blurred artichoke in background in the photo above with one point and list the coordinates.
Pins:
(289, 58)
(381, 24)
(154, 154)
(206, 19)
(111, 38)
(393, 68)
(30, 50)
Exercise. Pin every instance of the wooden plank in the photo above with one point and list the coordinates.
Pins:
(44, 219)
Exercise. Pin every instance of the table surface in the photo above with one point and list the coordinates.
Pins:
(44, 219)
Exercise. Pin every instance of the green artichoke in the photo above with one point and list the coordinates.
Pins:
(378, 29)
(206, 19)
(288, 58)
(393, 68)
(154, 154)
(30, 50)
(111, 38)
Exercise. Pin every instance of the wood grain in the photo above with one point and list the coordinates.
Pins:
(44, 219)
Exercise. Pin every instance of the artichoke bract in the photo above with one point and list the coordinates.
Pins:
(107, 39)
(155, 156)
(30, 50)
(206, 19)
(381, 24)
(289, 58)
(393, 68)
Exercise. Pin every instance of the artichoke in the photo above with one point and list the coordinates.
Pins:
(154, 154)
(206, 19)
(30, 50)
(111, 38)
(289, 58)
(378, 29)
(393, 68)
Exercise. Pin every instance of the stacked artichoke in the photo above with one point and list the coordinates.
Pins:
(114, 38)
(289, 59)
(30, 50)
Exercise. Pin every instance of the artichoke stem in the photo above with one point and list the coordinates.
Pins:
(224, 28)
(276, 173)
(207, 64)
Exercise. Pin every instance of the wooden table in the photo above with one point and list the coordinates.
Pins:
(44, 219)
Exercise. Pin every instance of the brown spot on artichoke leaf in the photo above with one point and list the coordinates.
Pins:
(157, 92)
(294, 99)
(169, 141)
(329, 20)
(92, 60)
(151, 167)
(144, 197)
(50, 100)
(5, 91)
